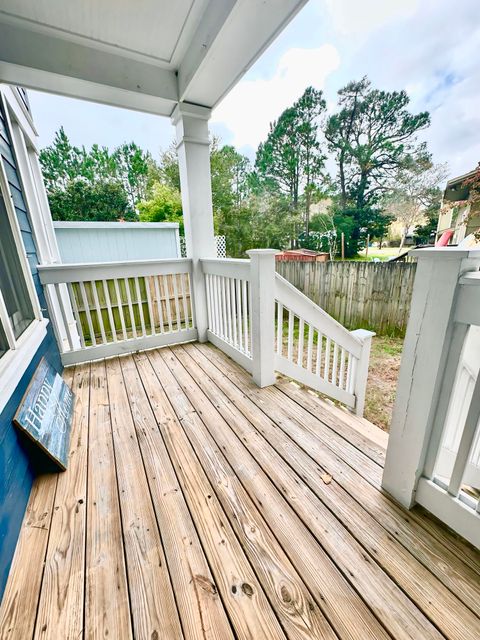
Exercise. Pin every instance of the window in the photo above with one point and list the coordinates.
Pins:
(3, 342)
(13, 288)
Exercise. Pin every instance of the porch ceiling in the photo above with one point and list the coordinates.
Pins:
(139, 54)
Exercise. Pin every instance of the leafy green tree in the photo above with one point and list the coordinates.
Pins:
(262, 220)
(425, 233)
(230, 171)
(169, 169)
(131, 168)
(371, 136)
(164, 205)
(291, 159)
(128, 167)
(61, 162)
(80, 200)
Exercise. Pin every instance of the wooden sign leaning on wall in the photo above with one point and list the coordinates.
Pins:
(45, 413)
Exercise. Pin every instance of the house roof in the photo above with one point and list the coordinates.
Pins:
(140, 54)
(455, 189)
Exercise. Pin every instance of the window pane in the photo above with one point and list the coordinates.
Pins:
(3, 341)
(12, 282)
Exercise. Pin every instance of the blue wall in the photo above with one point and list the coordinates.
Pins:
(19, 460)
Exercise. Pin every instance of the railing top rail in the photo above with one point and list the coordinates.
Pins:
(317, 317)
(240, 261)
(229, 267)
(446, 252)
(76, 272)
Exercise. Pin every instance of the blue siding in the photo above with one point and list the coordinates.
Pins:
(19, 460)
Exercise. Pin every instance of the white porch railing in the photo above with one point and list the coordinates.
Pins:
(265, 324)
(254, 315)
(228, 305)
(113, 308)
(433, 457)
(316, 350)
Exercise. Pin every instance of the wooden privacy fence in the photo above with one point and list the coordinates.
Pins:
(165, 305)
(372, 295)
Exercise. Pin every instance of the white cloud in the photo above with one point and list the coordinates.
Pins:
(433, 55)
(250, 107)
(359, 18)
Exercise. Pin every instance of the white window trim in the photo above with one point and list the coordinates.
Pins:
(16, 232)
(30, 195)
(15, 362)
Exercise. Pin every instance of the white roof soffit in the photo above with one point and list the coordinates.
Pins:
(138, 54)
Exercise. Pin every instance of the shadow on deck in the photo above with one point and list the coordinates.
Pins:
(196, 505)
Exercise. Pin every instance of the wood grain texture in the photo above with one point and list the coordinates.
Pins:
(198, 506)
(107, 610)
(241, 591)
(457, 575)
(200, 606)
(403, 620)
(334, 420)
(438, 603)
(20, 600)
(154, 612)
(60, 610)
(294, 604)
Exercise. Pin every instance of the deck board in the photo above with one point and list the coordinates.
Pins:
(426, 544)
(417, 582)
(152, 601)
(62, 595)
(286, 591)
(200, 607)
(107, 609)
(196, 506)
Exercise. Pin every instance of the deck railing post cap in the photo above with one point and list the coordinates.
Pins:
(363, 334)
(262, 252)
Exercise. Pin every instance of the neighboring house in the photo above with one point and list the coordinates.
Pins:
(204, 496)
(459, 213)
(26, 336)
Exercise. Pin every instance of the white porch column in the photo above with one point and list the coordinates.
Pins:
(191, 122)
(427, 341)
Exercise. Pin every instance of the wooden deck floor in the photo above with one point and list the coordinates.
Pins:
(196, 505)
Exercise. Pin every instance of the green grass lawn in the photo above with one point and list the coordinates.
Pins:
(381, 254)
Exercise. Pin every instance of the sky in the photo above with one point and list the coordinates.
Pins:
(427, 47)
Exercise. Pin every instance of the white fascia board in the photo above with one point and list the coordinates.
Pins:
(45, 63)
(220, 54)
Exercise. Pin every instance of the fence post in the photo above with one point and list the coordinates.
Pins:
(361, 374)
(426, 347)
(262, 315)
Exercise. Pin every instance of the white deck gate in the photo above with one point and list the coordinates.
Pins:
(433, 456)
